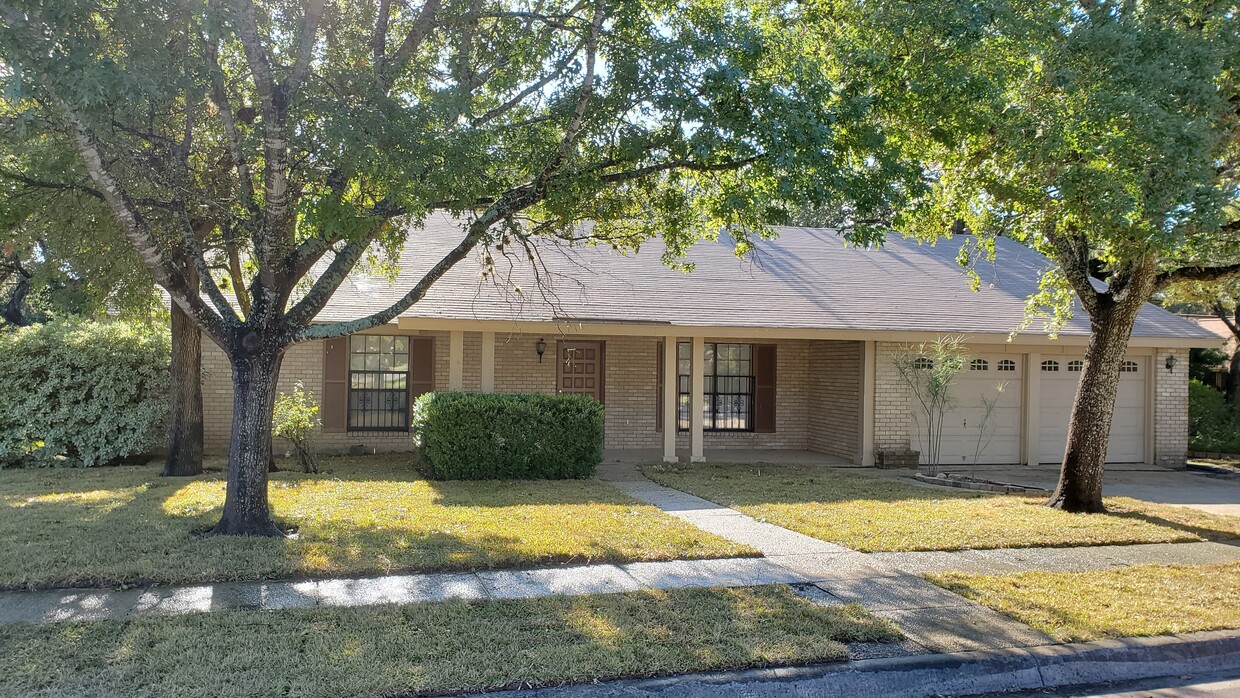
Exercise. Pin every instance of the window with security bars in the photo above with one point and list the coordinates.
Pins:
(729, 386)
(378, 383)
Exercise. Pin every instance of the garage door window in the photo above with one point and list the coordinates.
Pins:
(1128, 367)
(1006, 365)
(1075, 366)
(1050, 366)
(979, 365)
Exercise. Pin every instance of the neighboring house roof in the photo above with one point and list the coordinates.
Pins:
(1218, 328)
(806, 278)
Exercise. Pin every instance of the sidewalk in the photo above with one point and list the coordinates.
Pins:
(885, 583)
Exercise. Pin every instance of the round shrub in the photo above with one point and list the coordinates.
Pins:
(81, 393)
(508, 436)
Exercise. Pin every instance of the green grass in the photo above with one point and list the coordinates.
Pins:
(877, 514)
(107, 526)
(431, 647)
(1126, 602)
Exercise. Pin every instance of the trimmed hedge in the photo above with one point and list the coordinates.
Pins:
(81, 393)
(508, 436)
(1212, 424)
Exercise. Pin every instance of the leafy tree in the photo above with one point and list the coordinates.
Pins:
(1102, 133)
(65, 255)
(344, 124)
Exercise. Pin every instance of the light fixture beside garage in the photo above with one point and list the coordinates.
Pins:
(1171, 363)
(541, 348)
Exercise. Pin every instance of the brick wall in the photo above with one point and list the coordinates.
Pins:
(834, 389)
(1170, 408)
(892, 401)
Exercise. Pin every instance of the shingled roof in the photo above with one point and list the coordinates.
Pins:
(806, 278)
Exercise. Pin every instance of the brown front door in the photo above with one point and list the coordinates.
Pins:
(581, 368)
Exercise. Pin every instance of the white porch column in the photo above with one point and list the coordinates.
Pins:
(456, 360)
(865, 453)
(671, 397)
(488, 362)
(1033, 407)
(697, 401)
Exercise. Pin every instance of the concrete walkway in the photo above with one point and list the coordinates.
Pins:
(931, 617)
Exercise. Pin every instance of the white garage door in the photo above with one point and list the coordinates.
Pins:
(983, 425)
(1059, 379)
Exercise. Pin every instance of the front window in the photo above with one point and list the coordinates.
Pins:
(378, 383)
(729, 386)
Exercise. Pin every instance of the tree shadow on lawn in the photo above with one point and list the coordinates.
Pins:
(147, 531)
(436, 647)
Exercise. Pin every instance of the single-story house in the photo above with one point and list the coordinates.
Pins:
(788, 348)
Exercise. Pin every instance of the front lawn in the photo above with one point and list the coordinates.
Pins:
(876, 514)
(374, 515)
(1125, 602)
(431, 647)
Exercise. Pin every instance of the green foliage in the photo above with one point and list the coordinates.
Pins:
(294, 419)
(1212, 425)
(518, 436)
(1202, 363)
(81, 393)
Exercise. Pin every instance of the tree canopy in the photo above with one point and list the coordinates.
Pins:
(1102, 133)
(314, 133)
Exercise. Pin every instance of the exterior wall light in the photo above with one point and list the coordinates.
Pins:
(541, 348)
(1171, 363)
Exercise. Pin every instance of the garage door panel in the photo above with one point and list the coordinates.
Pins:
(1058, 392)
(991, 378)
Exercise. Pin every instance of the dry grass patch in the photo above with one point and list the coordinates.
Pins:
(105, 526)
(875, 514)
(1126, 602)
(432, 647)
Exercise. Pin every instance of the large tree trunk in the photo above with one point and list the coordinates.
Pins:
(246, 511)
(1089, 431)
(185, 435)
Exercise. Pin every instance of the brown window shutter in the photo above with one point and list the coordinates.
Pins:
(334, 407)
(658, 399)
(764, 388)
(421, 366)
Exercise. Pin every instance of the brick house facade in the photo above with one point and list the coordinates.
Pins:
(803, 332)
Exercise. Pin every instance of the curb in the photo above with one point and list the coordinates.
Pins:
(955, 674)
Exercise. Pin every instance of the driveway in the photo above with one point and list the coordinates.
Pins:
(1209, 493)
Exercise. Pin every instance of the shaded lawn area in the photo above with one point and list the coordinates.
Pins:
(1125, 602)
(105, 526)
(431, 647)
(875, 514)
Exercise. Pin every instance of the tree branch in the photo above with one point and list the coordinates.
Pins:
(1196, 273)
(1072, 253)
(305, 49)
(138, 232)
(327, 283)
(422, 26)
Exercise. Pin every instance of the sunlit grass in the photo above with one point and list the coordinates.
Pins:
(432, 647)
(359, 516)
(875, 514)
(1126, 602)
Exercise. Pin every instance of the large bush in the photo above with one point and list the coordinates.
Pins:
(81, 393)
(1212, 424)
(499, 436)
